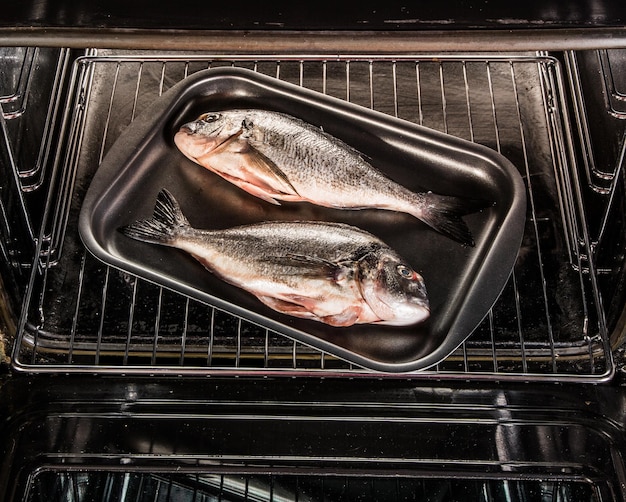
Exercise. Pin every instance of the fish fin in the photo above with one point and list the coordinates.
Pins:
(256, 191)
(444, 212)
(346, 318)
(252, 174)
(293, 308)
(165, 225)
(259, 175)
(297, 307)
(312, 266)
(266, 167)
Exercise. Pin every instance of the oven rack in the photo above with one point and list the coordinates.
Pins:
(58, 485)
(600, 176)
(16, 78)
(32, 89)
(35, 78)
(549, 323)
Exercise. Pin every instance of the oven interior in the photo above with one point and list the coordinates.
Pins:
(558, 116)
(556, 317)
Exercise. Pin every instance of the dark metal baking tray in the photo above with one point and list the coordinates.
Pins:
(462, 282)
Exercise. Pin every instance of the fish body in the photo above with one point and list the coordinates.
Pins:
(278, 157)
(329, 272)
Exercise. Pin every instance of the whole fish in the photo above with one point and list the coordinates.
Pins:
(330, 272)
(275, 156)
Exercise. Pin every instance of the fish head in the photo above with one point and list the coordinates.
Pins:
(207, 133)
(392, 289)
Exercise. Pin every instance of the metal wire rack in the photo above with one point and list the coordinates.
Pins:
(68, 486)
(615, 93)
(599, 175)
(16, 79)
(549, 323)
(31, 86)
(33, 82)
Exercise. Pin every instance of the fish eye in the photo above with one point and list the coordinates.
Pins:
(405, 271)
(210, 117)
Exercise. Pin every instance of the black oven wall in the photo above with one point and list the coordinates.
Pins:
(277, 16)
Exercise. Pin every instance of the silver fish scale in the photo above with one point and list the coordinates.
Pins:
(325, 241)
(307, 156)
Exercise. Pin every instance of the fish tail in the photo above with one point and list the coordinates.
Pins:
(166, 223)
(444, 212)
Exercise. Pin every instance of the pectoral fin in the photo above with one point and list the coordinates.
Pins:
(304, 308)
(311, 266)
(249, 169)
(287, 307)
(269, 174)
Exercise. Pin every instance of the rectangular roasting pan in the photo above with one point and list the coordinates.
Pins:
(462, 282)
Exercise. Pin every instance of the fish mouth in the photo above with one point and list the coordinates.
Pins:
(189, 144)
(417, 303)
(195, 129)
(418, 314)
(414, 311)
(195, 145)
